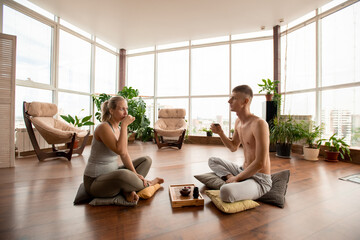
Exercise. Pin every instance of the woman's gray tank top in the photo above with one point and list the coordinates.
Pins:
(102, 160)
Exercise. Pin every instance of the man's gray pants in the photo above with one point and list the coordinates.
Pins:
(251, 188)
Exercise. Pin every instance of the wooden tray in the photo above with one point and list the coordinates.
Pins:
(177, 200)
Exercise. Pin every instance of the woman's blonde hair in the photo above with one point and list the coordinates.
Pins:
(109, 104)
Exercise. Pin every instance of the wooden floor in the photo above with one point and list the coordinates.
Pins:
(37, 202)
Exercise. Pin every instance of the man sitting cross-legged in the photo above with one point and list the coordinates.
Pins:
(253, 179)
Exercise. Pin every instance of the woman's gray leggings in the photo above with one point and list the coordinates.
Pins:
(111, 184)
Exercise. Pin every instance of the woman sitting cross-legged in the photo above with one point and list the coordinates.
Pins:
(103, 177)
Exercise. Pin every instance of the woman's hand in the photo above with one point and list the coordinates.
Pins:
(127, 120)
(216, 128)
(143, 179)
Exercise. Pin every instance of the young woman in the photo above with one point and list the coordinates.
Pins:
(103, 177)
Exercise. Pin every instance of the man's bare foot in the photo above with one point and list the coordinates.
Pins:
(131, 196)
(155, 181)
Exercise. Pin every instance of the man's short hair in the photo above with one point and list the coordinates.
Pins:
(244, 89)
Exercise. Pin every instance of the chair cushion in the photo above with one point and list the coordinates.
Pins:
(172, 113)
(41, 109)
(234, 207)
(170, 127)
(56, 131)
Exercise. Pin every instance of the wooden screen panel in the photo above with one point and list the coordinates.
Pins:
(7, 99)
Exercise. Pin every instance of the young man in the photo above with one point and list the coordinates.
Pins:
(253, 179)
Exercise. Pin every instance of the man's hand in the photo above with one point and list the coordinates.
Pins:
(231, 179)
(216, 128)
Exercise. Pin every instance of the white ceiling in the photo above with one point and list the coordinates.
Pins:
(132, 24)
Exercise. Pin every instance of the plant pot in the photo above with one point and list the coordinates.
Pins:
(331, 156)
(311, 154)
(131, 137)
(283, 150)
(76, 144)
(269, 97)
(209, 134)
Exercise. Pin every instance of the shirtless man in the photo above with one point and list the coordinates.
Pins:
(253, 179)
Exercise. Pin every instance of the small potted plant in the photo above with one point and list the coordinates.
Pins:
(232, 131)
(312, 136)
(269, 87)
(78, 122)
(335, 147)
(208, 131)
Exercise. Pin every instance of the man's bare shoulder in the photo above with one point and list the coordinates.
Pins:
(259, 124)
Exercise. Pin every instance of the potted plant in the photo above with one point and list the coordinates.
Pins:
(78, 122)
(232, 131)
(136, 108)
(335, 147)
(312, 134)
(269, 87)
(208, 131)
(283, 132)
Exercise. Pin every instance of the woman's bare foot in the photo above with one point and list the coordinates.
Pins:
(155, 181)
(131, 196)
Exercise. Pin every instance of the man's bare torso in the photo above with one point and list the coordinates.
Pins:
(248, 141)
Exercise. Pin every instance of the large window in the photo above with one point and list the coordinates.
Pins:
(67, 82)
(74, 63)
(332, 98)
(140, 73)
(299, 59)
(341, 47)
(210, 70)
(33, 55)
(173, 73)
(105, 72)
(341, 65)
(251, 62)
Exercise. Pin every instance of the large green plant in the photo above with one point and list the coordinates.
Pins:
(285, 130)
(335, 144)
(136, 108)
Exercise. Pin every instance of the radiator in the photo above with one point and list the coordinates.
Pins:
(23, 143)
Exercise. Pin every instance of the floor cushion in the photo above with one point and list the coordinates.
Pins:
(234, 207)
